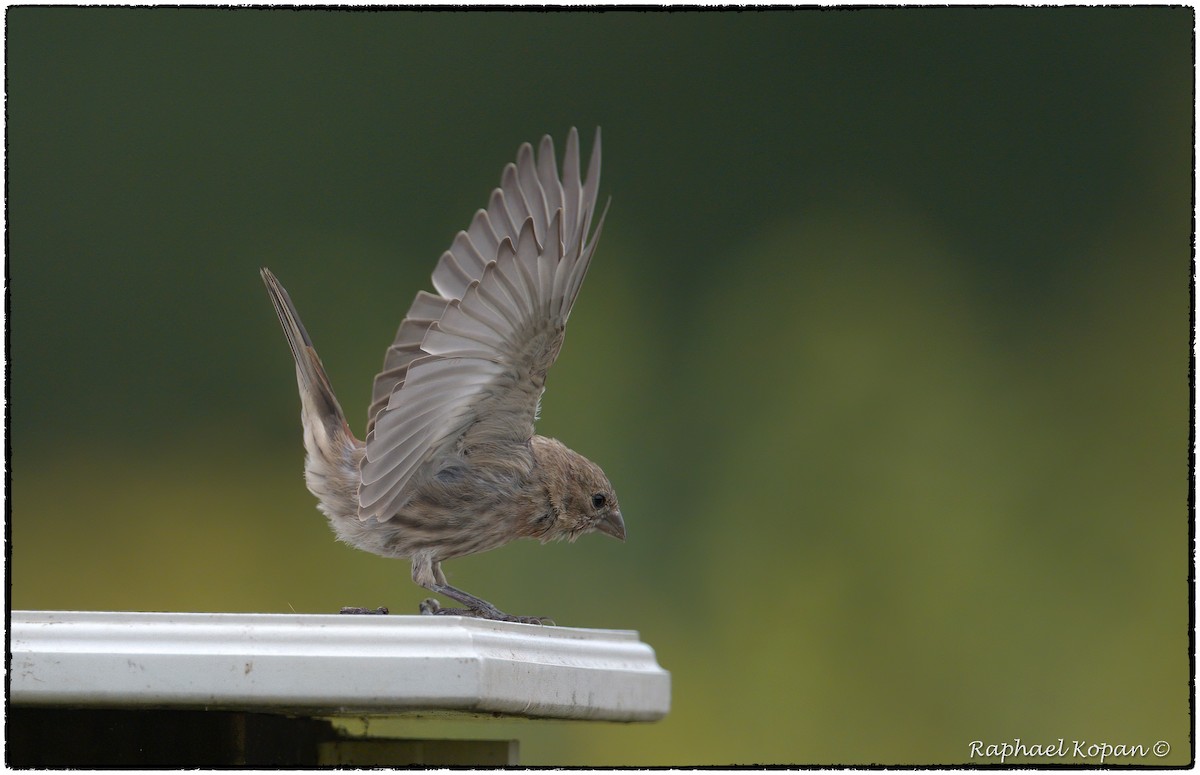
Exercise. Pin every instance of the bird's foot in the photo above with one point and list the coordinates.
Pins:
(380, 611)
(431, 607)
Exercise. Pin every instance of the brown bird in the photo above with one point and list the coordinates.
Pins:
(451, 465)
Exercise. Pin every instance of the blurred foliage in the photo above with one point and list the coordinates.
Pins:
(886, 347)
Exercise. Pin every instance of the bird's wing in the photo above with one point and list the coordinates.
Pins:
(468, 365)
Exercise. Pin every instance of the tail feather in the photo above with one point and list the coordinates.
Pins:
(316, 393)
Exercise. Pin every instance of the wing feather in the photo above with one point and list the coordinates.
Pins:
(531, 191)
(578, 270)
(509, 278)
(527, 265)
(482, 235)
(572, 190)
(449, 278)
(547, 171)
(469, 257)
(480, 307)
(591, 188)
(493, 300)
(427, 306)
(422, 404)
(425, 310)
(439, 342)
(513, 198)
(468, 321)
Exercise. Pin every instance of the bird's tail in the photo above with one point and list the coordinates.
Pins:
(327, 436)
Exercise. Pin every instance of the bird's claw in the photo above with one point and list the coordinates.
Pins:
(431, 607)
(380, 611)
(543, 620)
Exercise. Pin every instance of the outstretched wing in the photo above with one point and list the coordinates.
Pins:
(468, 365)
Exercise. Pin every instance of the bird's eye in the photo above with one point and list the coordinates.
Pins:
(598, 500)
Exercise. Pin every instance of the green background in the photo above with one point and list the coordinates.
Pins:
(885, 347)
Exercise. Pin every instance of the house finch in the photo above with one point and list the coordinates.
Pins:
(451, 465)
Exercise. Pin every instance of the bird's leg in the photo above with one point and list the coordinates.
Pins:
(477, 607)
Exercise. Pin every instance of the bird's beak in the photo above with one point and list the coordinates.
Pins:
(612, 525)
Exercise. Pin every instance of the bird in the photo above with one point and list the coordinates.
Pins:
(450, 465)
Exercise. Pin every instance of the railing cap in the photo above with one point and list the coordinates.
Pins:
(331, 665)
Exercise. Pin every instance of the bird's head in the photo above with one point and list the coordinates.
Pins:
(581, 499)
